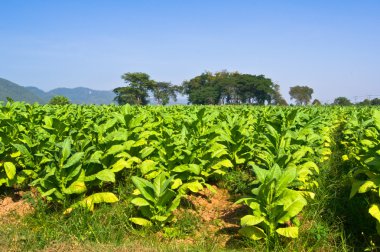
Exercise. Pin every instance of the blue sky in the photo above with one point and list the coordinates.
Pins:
(331, 46)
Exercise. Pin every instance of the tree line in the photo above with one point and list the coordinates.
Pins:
(208, 88)
(217, 88)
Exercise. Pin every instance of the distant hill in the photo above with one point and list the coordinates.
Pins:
(17, 92)
(78, 95)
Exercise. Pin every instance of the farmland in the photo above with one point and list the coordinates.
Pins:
(299, 178)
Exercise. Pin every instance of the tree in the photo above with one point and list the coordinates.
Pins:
(59, 100)
(375, 101)
(139, 85)
(342, 101)
(302, 94)
(163, 91)
(202, 89)
(365, 102)
(229, 88)
(316, 102)
(277, 97)
(368, 102)
(136, 91)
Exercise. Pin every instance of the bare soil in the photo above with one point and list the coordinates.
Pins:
(14, 206)
(220, 216)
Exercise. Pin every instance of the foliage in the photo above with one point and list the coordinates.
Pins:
(362, 144)
(75, 155)
(277, 97)
(369, 102)
(302, 94)
(316, 102)
(138, 87)
(274, 205)
(59, 100)
(342, 101)
(230, 88)
(156, 200)
(163, 91)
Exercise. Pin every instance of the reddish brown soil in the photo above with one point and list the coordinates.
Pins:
(220, 216)
(14, 206)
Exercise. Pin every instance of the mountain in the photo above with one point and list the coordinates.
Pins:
(78, 95)
(17, 92)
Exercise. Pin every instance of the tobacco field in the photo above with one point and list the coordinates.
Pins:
(279, 163)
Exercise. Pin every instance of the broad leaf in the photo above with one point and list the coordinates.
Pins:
(251, 220)
(141, 222)
(10, 170)
(106, 175)
(252, 232)
(291, 232)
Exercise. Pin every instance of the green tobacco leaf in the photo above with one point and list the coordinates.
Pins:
(10, 170)
(175, 203)
(286, 178)
(115, 149)
(76, 187)
(251, 220)
(49, 192)
(160, 184)
(145, 187)
(176, 183)
(261, 174)
(74, 159)
(119, 165)
(291, 232)
(104, 197)
(299, 154)
(90, 201)
(141, 222)
(310, 165)
(66, 150)
(146, 166)
(194, 186)
(376, 118)
(374, 210)
(293, 203)
(193, 168)
(122, 164)
(223, 163)
(160, 218)
(140, 202)
(95, 157)
(106, 175)
(146, 151)
(24, 151)
(367, 186)
(355, 187)
(252, 232)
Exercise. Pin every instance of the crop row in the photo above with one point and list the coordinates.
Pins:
(76, 153)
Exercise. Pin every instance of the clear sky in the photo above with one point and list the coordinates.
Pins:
(331, 46)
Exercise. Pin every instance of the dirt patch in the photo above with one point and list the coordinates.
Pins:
(219, 214)
(14, 205)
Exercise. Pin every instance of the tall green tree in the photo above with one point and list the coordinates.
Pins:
(342, 101)
(229, 88)
(301, 94)
(316, 102)
(136, 91)
(139, 86)
(375, 101)
(277, 97)
(163, 91)
(59, 100)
